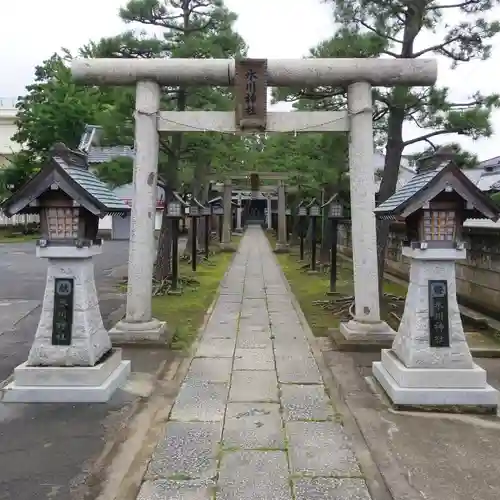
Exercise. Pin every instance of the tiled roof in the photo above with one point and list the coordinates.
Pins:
(94, 186)
(488, 180)
(98, 154)
(412, 187)
(490, 162)
(495, 186)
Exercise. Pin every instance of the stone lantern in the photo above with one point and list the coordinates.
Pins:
(175, 212)
(314, 211)
(206, 212)
(195, 211)
(71, 359)
(302, 215)
(430, 364)
(218, 211)
(336, 211)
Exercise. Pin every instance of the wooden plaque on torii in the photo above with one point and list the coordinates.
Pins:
(250, 88)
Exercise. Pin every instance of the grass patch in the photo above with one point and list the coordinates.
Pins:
(11, 237)
(310, 288)
(185, 313)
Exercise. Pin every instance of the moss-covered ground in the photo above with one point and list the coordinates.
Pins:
(321, 310)
(185, 313)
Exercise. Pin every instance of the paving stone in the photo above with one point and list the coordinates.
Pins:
(216, 348)
(254, 475)
(164, 489)
(254, 359)
(249, 327)
(253, 425)
(234, 297)
(322, 488)
(306, 402)
(277, 289)
(253, 294)
(249, 386)
(254, 340)
(295, 370)
(211, 370)
(279, 318)
(188, 451)
(199, 400)
(221, 327)
(320, 449)
(284, 346)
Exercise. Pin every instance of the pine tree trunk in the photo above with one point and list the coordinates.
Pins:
(394, 151)
(164, 252)
(163, 262)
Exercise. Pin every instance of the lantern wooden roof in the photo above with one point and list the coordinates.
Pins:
(426, 185)
(68, 170)
(331, 200)
(312, 203)
(219, 200)
(180, 199)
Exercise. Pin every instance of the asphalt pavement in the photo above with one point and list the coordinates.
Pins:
(46, 449)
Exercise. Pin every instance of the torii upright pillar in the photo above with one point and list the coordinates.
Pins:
(281, 244)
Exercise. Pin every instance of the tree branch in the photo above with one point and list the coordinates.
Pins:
(166, 146)
(437, 47)
(460, 5)
(425, 137)
(377, 32)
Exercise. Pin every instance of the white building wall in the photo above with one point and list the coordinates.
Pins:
(8, 126)
(106, 222)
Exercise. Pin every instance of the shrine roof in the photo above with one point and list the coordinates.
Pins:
(102, 154)
(69, 171)
(427, 184)
(412, 187)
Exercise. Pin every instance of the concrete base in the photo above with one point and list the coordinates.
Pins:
(428, 388)
(227, 247)
(125, 332)
(281, 248)
(365, 344)
(76, 384)
(358, 331)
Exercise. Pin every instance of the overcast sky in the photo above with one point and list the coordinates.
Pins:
(32, 30)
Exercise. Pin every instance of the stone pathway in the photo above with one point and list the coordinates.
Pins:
(252, 419)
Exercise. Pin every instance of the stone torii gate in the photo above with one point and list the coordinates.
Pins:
(358, 75)
(280, 178)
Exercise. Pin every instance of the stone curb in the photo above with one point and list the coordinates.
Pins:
(374, 480)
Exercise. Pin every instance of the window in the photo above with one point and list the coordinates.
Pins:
(439, 225)
(62, 223)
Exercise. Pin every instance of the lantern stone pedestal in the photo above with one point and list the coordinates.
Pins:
(141, 332)
(79, 366)
(415, 374)
(378, 333)
(281, 247)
